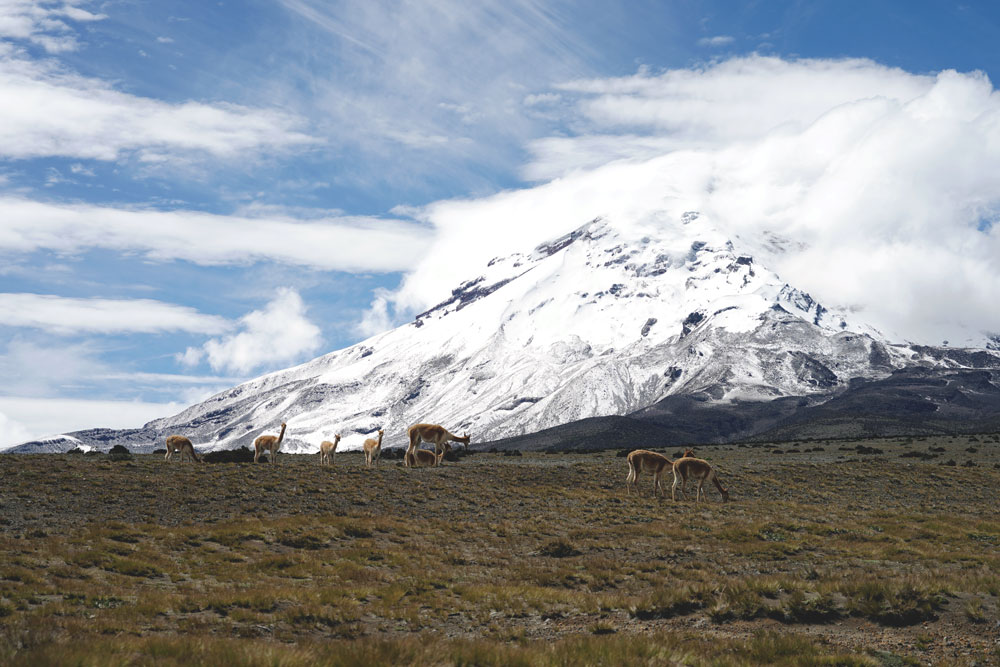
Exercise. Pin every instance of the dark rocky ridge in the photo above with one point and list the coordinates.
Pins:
(909, 402)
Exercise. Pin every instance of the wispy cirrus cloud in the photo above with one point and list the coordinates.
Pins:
(73, 316)
(44, 22)
(37, 366)
(441, 81)
(353, 244)
(95, 121)
(28, 418)
(716, 41)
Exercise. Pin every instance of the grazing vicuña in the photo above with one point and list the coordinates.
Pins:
(178, 443)
(434, 434)
(700, 470)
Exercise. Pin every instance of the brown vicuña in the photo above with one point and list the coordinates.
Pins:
(644, 460)
(425, 457)
(178, 443)
(373, 449)
(698, 469)
(435, 435)
(327, 449)
(269, 443)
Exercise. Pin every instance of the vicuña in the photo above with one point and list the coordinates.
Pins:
(433, 434)
(178, 443)
(373, 449)
(644, 460)
(268, 443)
(698, 469)
(327, 450)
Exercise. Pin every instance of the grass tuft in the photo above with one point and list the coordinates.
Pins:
(881, 602)
(559, 549)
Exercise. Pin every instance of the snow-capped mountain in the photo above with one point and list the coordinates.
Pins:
(605, 320)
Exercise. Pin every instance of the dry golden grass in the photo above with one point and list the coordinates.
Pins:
(822, 558)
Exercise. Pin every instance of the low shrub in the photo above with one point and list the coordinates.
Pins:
(393, 453)
(120, 453)
(240, 455)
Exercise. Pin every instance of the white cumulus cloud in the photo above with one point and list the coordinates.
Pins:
(279, 334)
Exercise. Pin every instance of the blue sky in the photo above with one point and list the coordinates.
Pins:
(194, 193)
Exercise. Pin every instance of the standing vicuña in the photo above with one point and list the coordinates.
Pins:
(373, 449)
(425, 457)
(700, 470)
(433, 434)
(178, 443)
(327, 449)
(269, 443)
(643, 459)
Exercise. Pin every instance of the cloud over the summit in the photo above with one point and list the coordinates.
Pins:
(882, 186)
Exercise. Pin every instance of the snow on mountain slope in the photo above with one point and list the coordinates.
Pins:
(605, 320)
(602, 321)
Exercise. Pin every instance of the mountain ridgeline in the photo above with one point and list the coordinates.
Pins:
(654, 333)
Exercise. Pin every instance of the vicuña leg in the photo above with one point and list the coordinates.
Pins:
(630, 479)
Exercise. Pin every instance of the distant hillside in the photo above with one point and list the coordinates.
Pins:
(913, 401)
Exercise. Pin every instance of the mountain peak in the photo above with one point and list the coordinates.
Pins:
(604, 320)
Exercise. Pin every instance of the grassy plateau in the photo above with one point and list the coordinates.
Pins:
(881, 552)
